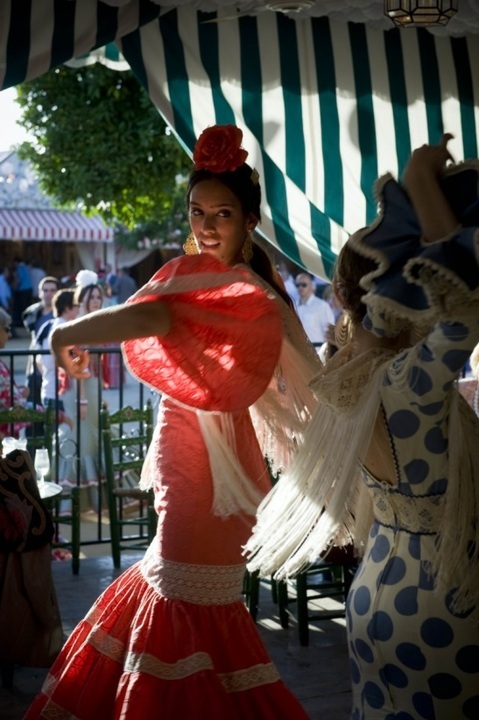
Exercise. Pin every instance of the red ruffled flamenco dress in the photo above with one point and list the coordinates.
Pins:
(171, 637)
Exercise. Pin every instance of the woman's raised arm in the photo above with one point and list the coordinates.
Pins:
(115, 324)
(421, 181)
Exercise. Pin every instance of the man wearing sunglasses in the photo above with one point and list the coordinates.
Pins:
(315, 314)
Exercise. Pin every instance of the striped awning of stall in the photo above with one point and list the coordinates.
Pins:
(325, 107)
(52, 225)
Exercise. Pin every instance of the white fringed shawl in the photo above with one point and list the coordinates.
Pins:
(322, 498)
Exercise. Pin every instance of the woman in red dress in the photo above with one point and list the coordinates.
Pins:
(214, 332)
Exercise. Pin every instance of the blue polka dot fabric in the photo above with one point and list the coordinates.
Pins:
(413, 657)
(410, 655)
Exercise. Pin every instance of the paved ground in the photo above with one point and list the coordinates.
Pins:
(317, 674)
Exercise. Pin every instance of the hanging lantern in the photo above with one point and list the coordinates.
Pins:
(420, 13)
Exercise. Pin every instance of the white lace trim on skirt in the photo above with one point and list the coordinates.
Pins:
(198, 584)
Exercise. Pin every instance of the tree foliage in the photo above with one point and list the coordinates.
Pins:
(101, 146)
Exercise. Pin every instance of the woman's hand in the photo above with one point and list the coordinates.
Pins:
(428, 159)
(74, 360)
(421, 181)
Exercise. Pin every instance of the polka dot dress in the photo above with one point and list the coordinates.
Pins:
(411, 656)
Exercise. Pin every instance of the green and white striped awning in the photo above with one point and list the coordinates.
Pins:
(325, 107)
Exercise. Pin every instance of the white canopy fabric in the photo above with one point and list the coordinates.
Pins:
(52, 225)
(326, 107)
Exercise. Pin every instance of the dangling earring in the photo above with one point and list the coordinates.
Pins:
(191, 246)
(343, 330)
(247, 250)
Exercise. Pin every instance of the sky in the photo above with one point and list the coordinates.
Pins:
(10, 132)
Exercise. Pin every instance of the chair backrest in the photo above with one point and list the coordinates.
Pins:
(39, 421)
(126, 436)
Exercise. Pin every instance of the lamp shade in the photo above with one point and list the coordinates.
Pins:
(420, 13)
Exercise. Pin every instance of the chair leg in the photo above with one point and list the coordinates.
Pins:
(152, 522)
(75, 495)
(282, 594)
(254, 594)
(115, 534)
(348, 575)
(302, 608)
(251, 592)
(274, 591)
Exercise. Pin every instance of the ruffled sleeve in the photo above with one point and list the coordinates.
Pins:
(416, 281)
(225, 339)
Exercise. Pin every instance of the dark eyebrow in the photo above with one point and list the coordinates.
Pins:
(219, 205)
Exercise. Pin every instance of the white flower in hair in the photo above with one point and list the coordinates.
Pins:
(85, 278)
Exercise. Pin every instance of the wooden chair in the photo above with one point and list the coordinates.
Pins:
(70, 497)
(329, 577)
(41, 425)
(131, 511)
(39, 422)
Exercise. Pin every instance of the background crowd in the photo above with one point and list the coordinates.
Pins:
(37, 302)
(21, 289)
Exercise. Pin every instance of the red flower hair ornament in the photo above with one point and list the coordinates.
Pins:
(218, 149)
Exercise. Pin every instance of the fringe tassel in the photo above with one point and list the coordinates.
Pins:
(314, 502)
(281, 414)
(147, 477)
(457, 562)
(234, 491)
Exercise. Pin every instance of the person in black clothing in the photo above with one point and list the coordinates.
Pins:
(33, 318)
